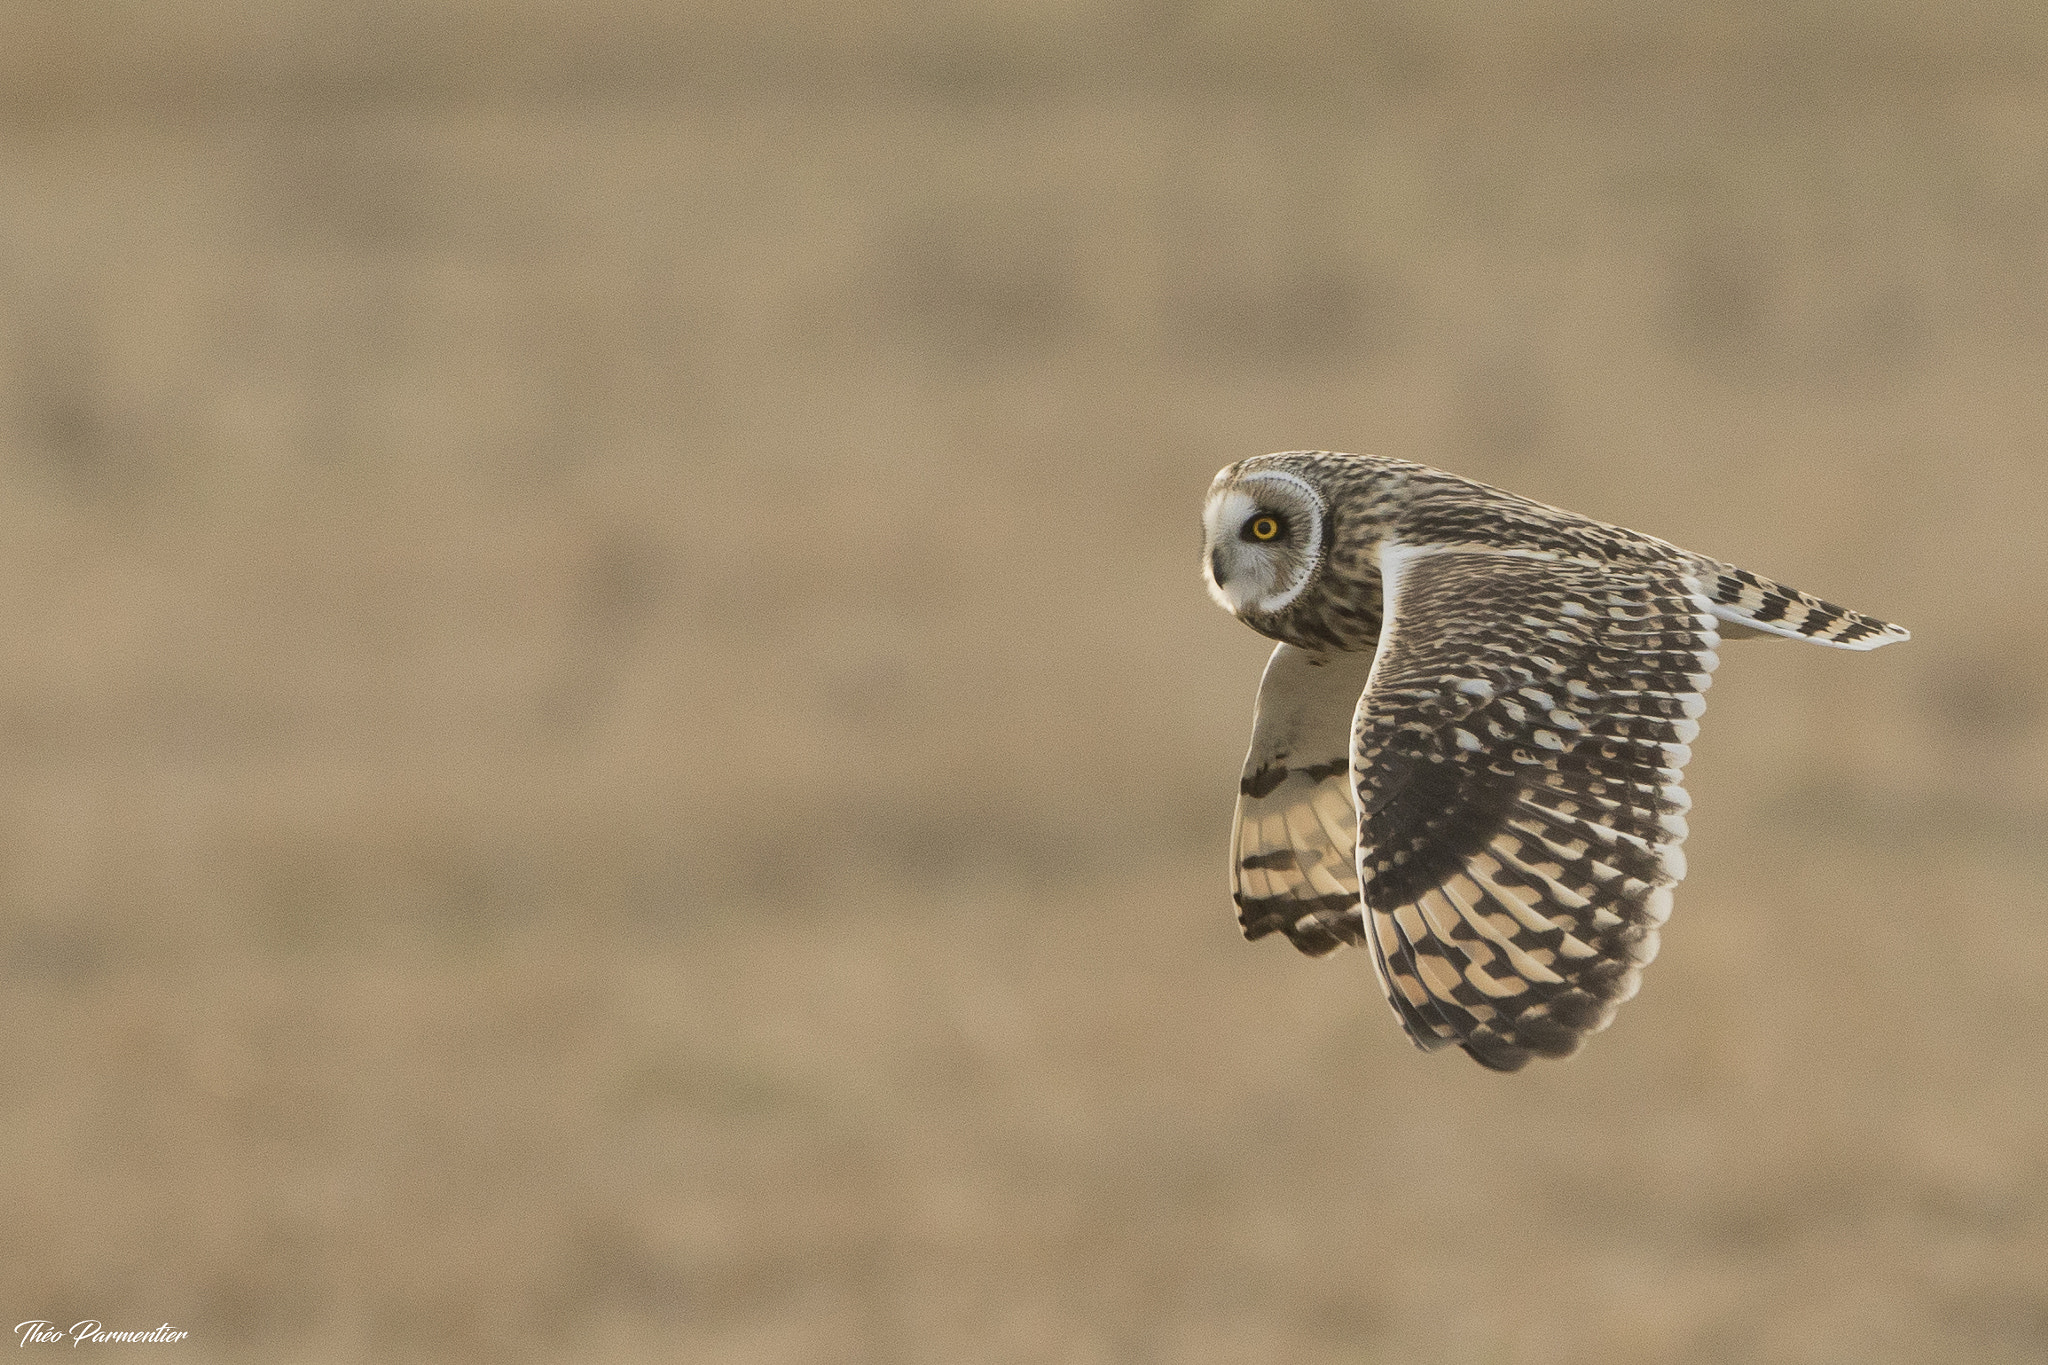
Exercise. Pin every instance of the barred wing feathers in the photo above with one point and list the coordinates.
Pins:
(1518, 756)
(1748, 604)
(1292, 850)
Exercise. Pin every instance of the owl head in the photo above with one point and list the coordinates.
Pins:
(1263, 536)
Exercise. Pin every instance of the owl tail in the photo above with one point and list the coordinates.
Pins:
(1749, 605)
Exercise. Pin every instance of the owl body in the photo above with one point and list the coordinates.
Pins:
(1467, 750)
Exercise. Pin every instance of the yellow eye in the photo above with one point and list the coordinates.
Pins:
(1264, 528)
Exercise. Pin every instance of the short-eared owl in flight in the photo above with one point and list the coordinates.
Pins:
(1466, 751)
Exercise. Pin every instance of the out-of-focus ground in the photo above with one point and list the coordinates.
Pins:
(610, 747)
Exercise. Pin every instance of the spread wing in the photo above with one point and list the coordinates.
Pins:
(1520, 809)
(1292, 849)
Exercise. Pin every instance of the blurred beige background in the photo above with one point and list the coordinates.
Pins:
(610, 746)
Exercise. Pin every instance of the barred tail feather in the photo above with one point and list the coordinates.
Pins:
(1750, 604)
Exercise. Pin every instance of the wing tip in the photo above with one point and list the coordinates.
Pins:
(1318, 926)
(1494, 1052)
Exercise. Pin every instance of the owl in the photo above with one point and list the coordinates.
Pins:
(1467, 747)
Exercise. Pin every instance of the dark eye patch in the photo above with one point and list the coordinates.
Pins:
(1263, 528)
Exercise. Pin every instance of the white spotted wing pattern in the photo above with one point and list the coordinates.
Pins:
(1518, 753)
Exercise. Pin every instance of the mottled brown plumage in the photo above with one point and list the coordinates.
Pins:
(1468, 746)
